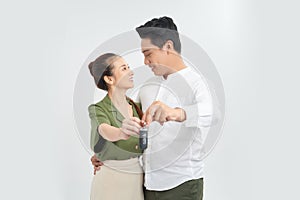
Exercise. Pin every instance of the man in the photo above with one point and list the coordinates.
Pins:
(177, 127)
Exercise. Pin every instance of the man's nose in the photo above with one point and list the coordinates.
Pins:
(146, 61)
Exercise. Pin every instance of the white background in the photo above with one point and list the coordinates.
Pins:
(254, 45)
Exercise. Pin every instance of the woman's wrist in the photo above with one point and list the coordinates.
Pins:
(122, 135)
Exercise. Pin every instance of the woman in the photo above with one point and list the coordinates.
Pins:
(114, 138)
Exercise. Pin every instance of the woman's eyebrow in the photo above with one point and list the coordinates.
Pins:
(124, 65)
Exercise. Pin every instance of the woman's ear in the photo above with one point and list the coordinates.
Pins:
(109, 80)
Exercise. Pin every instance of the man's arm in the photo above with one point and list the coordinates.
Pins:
(198, 114)
(160, 112)
(96, 163)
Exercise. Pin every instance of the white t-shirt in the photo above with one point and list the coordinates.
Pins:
(175, 150)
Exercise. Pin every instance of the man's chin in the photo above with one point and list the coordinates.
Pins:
(156, 73)
(159, 74)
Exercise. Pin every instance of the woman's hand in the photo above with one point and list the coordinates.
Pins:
(131, 126)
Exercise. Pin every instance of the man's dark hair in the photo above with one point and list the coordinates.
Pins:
(159, 31)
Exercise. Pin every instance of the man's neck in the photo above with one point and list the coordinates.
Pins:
(176, 65)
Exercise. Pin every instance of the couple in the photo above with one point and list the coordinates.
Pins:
(177, 110)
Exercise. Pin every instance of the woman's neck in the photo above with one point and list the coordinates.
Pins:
(117, 96)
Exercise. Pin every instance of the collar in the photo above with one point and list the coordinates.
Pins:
(180, 72)
(111, 108)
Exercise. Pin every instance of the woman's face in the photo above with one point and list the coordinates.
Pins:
(122, 74)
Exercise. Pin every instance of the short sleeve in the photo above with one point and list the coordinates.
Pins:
(97, 116)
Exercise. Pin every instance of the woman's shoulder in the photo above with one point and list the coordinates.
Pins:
(100, 105)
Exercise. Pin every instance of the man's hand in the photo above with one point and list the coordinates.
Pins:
(96, 163)
(162, 113)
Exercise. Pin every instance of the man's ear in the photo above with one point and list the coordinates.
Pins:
(169, 46)
(109, 80)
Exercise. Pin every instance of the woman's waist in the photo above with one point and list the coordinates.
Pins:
(131, 165)
(131, 145)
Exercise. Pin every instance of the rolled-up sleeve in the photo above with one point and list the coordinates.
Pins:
(199, 114)
(98, 117)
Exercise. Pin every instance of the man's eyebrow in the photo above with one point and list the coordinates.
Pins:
(145, 50)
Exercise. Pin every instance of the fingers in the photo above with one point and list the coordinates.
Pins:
(93, 158)
(131, 126)
(147, 117)
(150, 113)
(96, 163)
(135, 119)
(144, 117)
(160, 116)
(156, 112)
(128, 132)
(96, 169)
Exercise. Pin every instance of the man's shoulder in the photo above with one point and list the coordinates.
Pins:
(194, 76)
(192, 71)
(153, 79)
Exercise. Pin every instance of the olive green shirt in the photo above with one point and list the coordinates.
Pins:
(105, 112)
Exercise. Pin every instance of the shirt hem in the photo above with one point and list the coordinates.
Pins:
(173, 186)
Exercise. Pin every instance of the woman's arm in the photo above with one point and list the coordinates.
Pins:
(129, 127)
(111, 133)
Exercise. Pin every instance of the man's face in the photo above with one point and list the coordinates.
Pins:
(155, 58)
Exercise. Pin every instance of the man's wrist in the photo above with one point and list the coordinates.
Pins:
(180, 115)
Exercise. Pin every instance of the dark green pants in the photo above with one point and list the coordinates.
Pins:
(190, 190)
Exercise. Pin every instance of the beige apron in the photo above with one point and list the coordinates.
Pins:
(118, 180)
